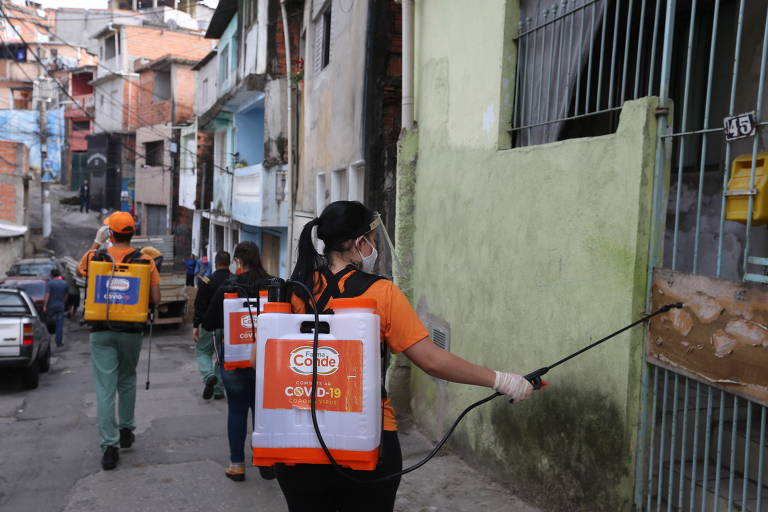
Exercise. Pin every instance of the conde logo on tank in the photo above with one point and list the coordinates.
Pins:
(300, 360)
(117, 290)
(247, 322)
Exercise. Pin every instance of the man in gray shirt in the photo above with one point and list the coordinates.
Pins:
(56, 291)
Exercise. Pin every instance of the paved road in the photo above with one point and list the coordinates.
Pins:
(50, 453)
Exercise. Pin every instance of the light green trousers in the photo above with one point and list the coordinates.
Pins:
(114, 356)
(204, 351)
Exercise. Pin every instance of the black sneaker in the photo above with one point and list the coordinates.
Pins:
(126, 438)
(209, 385)
(110, 457)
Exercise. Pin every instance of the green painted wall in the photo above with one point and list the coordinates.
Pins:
(529, 254)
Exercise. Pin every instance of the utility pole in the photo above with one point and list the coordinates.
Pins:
(42, 108)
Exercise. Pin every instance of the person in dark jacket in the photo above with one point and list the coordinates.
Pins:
(240, 383)
(204, 338)
(85, 196)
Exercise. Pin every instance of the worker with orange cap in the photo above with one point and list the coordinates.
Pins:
(115, 347)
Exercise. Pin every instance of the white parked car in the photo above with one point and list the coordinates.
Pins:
(24, 340)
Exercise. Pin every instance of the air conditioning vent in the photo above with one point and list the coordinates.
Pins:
(441, 337)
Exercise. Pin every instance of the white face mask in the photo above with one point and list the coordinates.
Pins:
(370, 260)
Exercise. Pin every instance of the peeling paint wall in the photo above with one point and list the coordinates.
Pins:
(721, 335)
(528, 254)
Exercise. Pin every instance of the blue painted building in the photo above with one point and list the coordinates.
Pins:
(248, 201)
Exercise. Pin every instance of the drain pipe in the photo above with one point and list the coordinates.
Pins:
(407, 102)
(289, 175)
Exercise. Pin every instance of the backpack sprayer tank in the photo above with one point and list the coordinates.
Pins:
(117, 292)
(240, 318)
(348, 390)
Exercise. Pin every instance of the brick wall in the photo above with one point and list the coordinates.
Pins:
(204, 169)
(149, 112)
(130, 104)
(153, 43)
(184, 93)
(276, 63)
(14, 165)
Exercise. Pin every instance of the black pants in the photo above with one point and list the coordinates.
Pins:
(190, 279)
(319, 488)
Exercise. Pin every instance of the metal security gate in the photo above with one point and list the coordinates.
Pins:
(700, 447)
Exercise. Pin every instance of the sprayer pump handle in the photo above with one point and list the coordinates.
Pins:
(535, 379)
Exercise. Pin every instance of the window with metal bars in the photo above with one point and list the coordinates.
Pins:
(578, 61)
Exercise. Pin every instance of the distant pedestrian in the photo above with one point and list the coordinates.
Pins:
(189, 268)
(204, 339)
(85, 196)
(54, 303)
(203, 268)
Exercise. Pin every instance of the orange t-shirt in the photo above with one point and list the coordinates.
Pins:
(118, 253)
(400, 327)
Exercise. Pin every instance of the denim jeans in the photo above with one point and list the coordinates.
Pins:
(241, 391)
(58, 317)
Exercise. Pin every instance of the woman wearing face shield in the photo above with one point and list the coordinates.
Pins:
(348, 229)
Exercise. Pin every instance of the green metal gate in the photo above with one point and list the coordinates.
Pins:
(700, 447)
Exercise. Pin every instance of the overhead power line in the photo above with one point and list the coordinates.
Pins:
(60, 86)
(120, 103)
(141, 88)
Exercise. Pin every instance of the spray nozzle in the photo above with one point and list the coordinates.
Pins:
(535, 378)
(668, 307)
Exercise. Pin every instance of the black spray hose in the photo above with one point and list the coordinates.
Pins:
(149, 357)
(534, 378)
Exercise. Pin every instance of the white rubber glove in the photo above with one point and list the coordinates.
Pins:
(102, 235)
(513, 385)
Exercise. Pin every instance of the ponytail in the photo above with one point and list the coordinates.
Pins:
(307, 260)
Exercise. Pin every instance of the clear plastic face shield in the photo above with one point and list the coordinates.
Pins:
(386, 263)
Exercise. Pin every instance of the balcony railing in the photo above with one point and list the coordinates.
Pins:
(82, 102)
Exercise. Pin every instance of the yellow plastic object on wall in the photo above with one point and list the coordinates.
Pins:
(122, 297)
(738, 193)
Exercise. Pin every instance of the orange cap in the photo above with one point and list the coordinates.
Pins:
(277, 307)
(121, 222)
(352, 302)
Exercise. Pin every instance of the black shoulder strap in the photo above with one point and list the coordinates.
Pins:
(358, 283)
(135, 257)
(331, 288)
(101, 255)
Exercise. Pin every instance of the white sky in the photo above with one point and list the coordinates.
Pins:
(93, 4)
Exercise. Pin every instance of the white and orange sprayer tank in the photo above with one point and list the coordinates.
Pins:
(240, 321)
(348, 387)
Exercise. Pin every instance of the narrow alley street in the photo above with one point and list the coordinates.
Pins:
(51, 455)
(50, 443)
